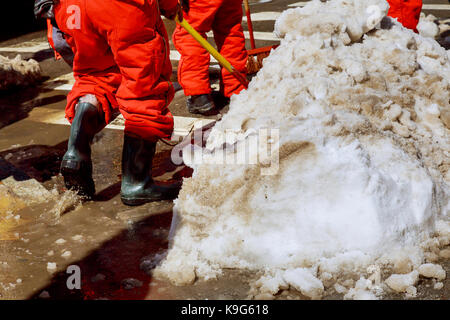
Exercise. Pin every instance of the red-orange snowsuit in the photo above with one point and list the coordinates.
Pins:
(407, 12)
(224, 18)
(122, 57)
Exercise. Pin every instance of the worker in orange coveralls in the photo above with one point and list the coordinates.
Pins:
(224, 18)
(121, 62)
(407, 12)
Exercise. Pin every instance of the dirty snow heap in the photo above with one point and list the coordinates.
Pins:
(359, 203)
(18, 72)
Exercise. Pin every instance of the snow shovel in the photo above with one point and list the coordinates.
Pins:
(205, 44)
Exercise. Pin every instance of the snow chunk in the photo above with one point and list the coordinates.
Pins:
(18, 72)
(51, 267)
(304, 281)
(411, 292)
(66, 254)
(60, 241)
(427, 27)
(430, 270)
(340, 288)
(77, 237)
(401, 282)
(438, 286)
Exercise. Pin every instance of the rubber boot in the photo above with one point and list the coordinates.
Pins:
(200, 104)
(138, 186)
(76, 165)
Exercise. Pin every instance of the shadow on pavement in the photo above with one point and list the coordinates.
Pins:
(43, 55)
(38, 162)
(113, 270)
(108, 193)
(15, 105)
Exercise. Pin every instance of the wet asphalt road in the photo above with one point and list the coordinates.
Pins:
(111, 243)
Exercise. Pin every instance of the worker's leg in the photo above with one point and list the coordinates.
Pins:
(138, 186)
(142, 53)
(76, 165)
(193, 67)
(140, 47)
(230, 40)
(90, 101)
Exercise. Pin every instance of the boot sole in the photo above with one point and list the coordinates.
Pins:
(204, 112)
(138, 202)
(77, 178)
(201, 110)
(141, 201)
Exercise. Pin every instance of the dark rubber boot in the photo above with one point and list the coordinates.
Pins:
(76, 165)
(200, 104)
(138, 186)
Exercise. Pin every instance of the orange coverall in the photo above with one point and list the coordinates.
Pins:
(121, 55)
(224, 18)
(407, 12)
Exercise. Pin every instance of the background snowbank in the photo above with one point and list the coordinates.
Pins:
(18, 72)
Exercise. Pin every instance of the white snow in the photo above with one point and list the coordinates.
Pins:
(361, 291)
(18, 72)
(411, 292)
(66, 254)
(51, 267)
(430, 270)
(361, 106)
(304, 281)
(401, 282)
(427, 26)
(78, 238)
(60, 241)
(438, 286)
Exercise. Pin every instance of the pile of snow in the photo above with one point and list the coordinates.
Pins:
(18, 72)
(361, 193)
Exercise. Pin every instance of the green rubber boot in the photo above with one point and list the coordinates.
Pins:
(200, 104)
(138, 186)
(76, 165)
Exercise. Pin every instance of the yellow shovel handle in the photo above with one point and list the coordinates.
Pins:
(205, 44)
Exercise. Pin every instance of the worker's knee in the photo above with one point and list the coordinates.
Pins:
(89, 98)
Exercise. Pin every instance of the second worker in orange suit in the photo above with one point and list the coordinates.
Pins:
(224, 18)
